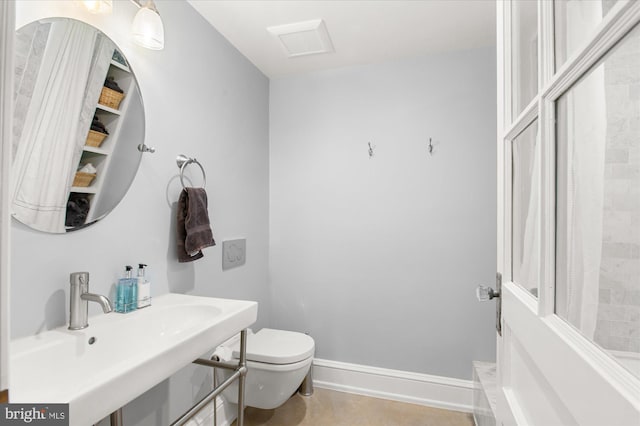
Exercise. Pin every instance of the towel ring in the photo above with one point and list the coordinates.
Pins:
(183, 161)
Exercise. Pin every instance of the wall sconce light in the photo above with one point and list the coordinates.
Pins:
(147, 29)
(98, 6)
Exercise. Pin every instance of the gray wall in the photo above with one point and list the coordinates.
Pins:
(204, 99)
(378, 258)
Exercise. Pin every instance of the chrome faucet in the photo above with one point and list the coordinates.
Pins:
(79, 301)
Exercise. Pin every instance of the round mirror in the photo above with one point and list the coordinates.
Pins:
(78, 121)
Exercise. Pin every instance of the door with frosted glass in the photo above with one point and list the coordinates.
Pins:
(569, 212)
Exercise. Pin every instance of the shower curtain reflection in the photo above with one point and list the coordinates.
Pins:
(526, 209)
(581, 118)
(49, 147)
(598, 203)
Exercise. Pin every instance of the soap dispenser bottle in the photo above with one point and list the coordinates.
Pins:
(144, 287)
(126, 292)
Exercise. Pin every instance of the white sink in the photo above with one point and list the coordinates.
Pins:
(130, 353)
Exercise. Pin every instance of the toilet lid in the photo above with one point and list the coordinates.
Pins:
(276, 346)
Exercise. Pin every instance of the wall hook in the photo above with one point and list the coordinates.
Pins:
(430, 147)
(371, 150)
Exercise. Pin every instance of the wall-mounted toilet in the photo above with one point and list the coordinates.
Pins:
(277, 363)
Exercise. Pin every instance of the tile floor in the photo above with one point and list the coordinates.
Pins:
(330, 408)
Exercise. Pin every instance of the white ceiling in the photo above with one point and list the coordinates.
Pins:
(362, 31)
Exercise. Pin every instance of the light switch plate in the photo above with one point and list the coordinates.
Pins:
(234, 253)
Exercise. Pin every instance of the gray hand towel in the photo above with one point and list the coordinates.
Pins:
(194, 231)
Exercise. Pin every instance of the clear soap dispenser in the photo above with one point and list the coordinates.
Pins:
(144, 287)
(126, 292)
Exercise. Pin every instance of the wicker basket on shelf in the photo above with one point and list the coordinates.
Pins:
(95, 139)
(110, 98)
(83, 179)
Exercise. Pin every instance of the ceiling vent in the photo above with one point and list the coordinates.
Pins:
(303, 38)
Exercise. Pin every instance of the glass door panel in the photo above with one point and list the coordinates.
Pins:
(575, 22)
(598, 203)
(524, 53)
(525, 256)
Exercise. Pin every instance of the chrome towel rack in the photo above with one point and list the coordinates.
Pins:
(183, 161)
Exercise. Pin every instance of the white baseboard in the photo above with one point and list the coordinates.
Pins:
(396, 385)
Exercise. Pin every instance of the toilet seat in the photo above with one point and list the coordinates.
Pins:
(276, 346)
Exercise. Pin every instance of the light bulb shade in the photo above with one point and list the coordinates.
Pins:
(98, 6)
(147, 29)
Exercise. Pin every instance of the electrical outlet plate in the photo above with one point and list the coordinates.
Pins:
(234, 253)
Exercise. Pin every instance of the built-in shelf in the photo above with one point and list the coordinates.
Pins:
(119, 65)
(107, 109)
(83, 189)
(95, 150)
(100, 157)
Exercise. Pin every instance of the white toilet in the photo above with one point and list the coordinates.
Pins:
(277, 363)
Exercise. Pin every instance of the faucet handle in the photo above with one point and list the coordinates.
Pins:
(79, 279)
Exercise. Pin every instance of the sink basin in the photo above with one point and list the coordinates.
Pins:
(119, 356)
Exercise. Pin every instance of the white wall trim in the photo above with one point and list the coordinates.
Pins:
(396, 385)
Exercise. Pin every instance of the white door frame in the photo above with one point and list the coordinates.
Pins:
(7, 32)
(566, 358)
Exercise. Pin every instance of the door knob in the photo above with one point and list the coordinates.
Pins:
(484, 293)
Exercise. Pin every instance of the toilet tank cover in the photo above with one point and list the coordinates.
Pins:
(276, 346)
